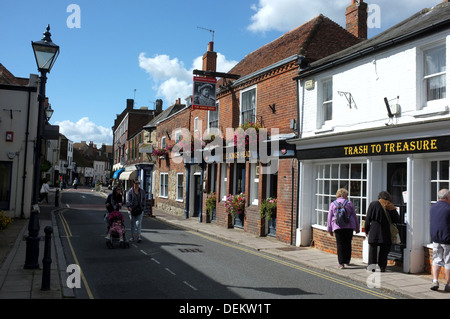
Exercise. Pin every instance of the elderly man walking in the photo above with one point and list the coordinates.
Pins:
(440, 235)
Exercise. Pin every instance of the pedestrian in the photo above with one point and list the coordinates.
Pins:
(440, 236)
(378, 230)
(343, 231)
(45, 189)
(114, 201)
(75, 183)
(136, 204)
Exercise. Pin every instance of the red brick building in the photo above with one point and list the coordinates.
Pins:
(266, 94)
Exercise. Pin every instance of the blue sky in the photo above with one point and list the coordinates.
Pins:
(147, 49)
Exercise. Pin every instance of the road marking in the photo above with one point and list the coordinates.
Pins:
(171, 272)
(68, 231)
(144, 252)
(298, 267)
(189, 285)
(153, 259)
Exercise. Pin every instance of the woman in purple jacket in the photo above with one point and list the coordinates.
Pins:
(343, 232)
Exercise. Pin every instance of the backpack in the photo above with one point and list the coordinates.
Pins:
(341, 214)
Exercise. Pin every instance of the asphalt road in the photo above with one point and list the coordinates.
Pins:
(177, 264)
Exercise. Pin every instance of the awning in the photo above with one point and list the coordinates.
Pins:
(127, 175)
(117, 173)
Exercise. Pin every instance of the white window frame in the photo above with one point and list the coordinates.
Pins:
(180, 198)
(241, 118)
(440, 74)
(254, 183)
(164, 185)
(329, 178)
(223, 181)
(209, 116)
(196, 124)
(324, 103)
(163, 142)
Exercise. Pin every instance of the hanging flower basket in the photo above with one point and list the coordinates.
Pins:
(242, 138)
(235, 205)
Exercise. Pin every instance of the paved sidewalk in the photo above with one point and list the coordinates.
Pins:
(17, 282)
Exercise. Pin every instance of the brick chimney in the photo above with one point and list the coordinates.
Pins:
(356, 19)
(210, 58)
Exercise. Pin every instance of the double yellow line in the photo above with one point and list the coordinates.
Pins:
(69, 235)
(298, 267)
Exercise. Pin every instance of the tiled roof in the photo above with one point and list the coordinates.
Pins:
(315, 39)
(424, 21)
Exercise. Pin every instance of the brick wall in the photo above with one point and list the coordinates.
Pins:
(324, 241)
(428, 256)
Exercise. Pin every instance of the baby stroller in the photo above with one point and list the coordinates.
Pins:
(114, 236)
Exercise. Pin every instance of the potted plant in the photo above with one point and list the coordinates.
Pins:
(268, 208)
(211, 205)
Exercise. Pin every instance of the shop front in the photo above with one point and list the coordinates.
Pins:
(411, 162)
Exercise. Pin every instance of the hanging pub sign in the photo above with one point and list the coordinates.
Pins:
(204, 95)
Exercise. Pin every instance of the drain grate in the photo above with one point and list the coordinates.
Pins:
(190, 250)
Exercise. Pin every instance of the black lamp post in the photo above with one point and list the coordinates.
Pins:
(45, 52)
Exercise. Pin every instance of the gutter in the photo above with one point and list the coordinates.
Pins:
(374, 48)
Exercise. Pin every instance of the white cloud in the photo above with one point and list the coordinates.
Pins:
(172, 80)
(85, 130)
(284, 15)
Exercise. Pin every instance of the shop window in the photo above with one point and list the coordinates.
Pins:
(435, 73)
(239, 178)
(331, 177)
(212, 178)
(164, 185)
(5, 184)
(180, 183)
(440, 178)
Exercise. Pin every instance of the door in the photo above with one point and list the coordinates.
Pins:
(396, 185)
(197, 196)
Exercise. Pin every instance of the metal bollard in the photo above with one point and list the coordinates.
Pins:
(47, 260)
(33, 238)
(57, 198)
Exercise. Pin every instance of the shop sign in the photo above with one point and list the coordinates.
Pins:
(238, 155)
(419, 145)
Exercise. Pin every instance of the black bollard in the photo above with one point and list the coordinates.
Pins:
(33, 238)
(57, 198)
(47, 260)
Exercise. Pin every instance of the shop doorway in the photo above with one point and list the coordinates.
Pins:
(396, 186)
(197, 196)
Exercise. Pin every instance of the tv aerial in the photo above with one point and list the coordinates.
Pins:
(210, 30)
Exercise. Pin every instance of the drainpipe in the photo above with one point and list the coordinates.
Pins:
(24, 176)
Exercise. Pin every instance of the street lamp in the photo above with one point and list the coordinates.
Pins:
(45, 52)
